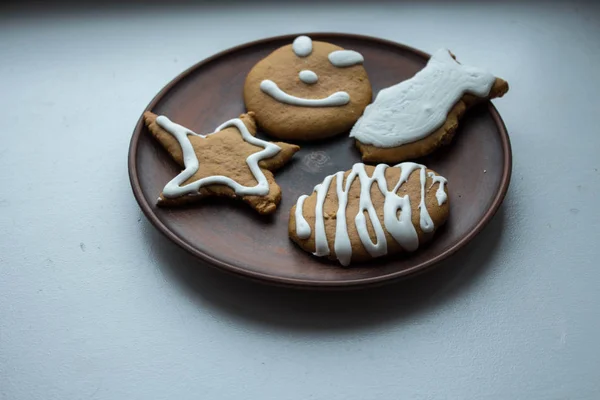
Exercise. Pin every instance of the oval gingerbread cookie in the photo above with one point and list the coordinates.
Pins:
(369, 212)
(308, 90)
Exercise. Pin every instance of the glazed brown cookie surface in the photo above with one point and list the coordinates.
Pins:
(297, 92)
(369, 212)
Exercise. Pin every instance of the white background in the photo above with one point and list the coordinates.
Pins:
(95, 304)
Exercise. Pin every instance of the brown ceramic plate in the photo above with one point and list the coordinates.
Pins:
(230, 236)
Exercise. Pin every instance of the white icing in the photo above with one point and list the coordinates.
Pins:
(321, 246)
(345, 58)
(417, 107)
(302, 46)
(440, 193)
(308, 77)
(302, 227)
(190, 161)
(271, 88)
(424, 220)
(399, 227)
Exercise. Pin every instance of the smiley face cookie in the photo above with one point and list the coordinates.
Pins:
(369, 212)
(308, 90)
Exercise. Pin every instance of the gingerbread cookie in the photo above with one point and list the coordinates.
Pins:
(308, 90)
(230, 162)
(416, 116)
(369, 212)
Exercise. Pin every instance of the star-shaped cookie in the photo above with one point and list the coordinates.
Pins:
(230, 162)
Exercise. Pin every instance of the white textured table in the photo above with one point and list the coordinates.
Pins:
(95, 304)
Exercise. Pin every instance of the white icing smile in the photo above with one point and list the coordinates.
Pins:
(336, 99)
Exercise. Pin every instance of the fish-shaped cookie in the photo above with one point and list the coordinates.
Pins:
(414, 117)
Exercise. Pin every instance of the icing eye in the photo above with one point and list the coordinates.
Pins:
(345, 58)
(302, 46)
(308, 77)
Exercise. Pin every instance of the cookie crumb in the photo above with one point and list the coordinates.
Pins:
(485, 171)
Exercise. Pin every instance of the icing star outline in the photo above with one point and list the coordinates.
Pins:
(224, 163)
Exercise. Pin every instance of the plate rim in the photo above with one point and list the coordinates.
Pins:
(303, 283)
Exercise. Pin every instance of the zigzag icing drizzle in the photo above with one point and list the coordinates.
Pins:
(399, 227)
